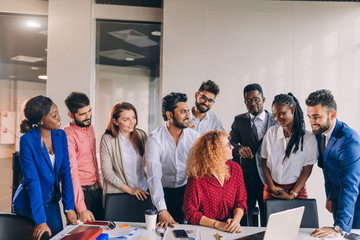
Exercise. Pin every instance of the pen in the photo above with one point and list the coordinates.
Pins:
(220, 237)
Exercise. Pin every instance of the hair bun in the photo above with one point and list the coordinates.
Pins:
(25, 126)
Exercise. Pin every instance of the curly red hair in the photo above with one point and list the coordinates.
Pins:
(206, 157)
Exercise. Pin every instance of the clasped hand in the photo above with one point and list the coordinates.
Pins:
(231, 226)
(278, 192)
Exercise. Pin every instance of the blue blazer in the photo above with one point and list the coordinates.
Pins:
(40, 176)
(342, 173)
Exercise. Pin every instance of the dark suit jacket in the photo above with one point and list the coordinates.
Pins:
(242, 135)
(342, 173)
(39, 175)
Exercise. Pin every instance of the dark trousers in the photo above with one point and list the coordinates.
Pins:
(93, 202)
(174, 201)
(255, 194)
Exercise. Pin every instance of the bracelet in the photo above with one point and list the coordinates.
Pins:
(162, 212)
(214, 223)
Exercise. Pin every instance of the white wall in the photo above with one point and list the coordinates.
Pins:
(284, 46)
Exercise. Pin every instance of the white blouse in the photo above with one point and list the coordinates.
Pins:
(133, 166)
(289, 170)
(52, 159)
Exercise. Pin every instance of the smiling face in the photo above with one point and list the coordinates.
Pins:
(126, 122)
(254, 102)
(83, 116)
(180, 117)
(204, 101)
(284, 115)
(320, 118)
(52, 120)
(227, 148)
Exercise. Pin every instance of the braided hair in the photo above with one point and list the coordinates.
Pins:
(298, 130)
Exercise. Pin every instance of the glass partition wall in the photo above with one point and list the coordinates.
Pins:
(127, 70)
(23, 44)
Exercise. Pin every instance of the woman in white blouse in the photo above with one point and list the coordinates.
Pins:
(121, 152)
(288, 151)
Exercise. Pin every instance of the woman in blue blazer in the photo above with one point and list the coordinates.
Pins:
(44, 162)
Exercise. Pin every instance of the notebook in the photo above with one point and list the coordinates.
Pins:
(281, 226)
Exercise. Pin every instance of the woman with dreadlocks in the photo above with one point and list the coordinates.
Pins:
(288, 151)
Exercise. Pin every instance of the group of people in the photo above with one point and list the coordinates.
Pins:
(185, 165)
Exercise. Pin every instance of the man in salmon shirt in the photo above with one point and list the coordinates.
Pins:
(82, 153)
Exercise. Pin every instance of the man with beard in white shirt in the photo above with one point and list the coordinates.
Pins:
(203, 120)
(166, 153)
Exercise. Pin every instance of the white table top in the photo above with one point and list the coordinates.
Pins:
(205, 232)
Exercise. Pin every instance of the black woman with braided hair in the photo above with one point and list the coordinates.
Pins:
(288, 151)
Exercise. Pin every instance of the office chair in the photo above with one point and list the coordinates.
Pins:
(310, 217)
(15, 227)
(126, 208)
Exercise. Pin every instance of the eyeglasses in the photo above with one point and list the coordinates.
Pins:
(206, 99)
(249, 100)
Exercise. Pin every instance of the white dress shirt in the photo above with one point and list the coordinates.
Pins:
(328, 135)
(166, 162)
(52, 160)
(260, 123)
(273, 149)
(210, 122)
(133, 166)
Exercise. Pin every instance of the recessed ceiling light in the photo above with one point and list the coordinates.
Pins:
(42, 77)
(33, 24)
(156, 33)
(34, 68)
(26, 59)
(130, 59)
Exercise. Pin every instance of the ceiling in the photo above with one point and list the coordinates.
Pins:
(17, 39)
(122, 43)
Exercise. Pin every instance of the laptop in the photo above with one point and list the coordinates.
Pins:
(281, 226)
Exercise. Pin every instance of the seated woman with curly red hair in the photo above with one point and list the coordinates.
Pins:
(215, 194)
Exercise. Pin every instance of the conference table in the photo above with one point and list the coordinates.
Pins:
(204, 232)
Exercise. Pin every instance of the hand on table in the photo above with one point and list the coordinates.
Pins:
(139, 193)
(233, 226)
(325, 232)
(165, 220)
(229, 226)
(71, 217)
(39, 230)
(245, 152)
(86, 215)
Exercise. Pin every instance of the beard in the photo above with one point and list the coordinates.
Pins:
(323, 128)
(181, 124)
(84, 123)
(199, 107)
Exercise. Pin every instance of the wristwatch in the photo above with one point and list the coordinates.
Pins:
(67, 211)
(339, 229)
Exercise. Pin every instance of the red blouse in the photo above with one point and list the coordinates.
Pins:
(206, 196)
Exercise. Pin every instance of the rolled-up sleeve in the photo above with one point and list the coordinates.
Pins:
(191, 206)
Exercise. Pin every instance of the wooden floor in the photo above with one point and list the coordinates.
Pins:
(5, 184)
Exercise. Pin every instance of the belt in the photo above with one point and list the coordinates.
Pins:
(90, 187)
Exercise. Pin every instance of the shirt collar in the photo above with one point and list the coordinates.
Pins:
(193, 117)
(280, 133)
(261, 116)
(328, 134)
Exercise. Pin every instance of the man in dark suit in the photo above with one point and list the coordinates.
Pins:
(246, 135)
(339, 157)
